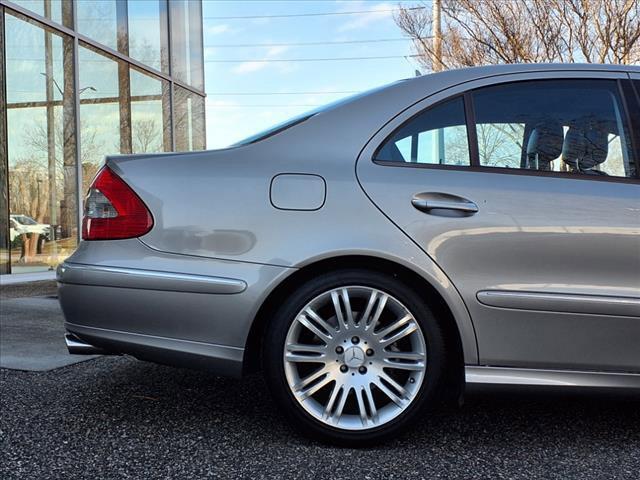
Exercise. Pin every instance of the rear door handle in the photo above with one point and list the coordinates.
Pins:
(428, 201)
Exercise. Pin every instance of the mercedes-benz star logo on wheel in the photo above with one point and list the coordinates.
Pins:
(354, 357)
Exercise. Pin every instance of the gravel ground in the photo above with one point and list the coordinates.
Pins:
(115, 417)
(29, 289)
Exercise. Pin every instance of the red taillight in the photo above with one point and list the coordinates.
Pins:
(113, 211)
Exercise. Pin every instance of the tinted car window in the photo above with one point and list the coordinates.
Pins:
(24, 220)
(298, 119)
(436, 136)
(573, 126)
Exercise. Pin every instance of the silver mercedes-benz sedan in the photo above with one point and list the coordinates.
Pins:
(374, 256)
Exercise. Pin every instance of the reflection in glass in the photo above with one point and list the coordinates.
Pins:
(101, 107)
(5, 259)
(98, 20)
(436, 136)
(189, 120)
(150, 114)
(41, 146)
(148, 33)
(569, 126)
(123, 108)
(500, 144)
(60, 11)
(186, 42)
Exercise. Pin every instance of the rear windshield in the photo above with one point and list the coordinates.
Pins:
(280, 127)
(298, 119)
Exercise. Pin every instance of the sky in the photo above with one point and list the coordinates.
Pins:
(253, 76)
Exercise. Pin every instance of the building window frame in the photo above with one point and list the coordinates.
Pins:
(169, 83)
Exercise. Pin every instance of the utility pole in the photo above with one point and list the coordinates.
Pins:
(437, 35)
(438, 151)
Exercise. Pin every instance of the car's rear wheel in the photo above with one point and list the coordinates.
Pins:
(353, 356)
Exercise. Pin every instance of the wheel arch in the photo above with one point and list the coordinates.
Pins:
(434, 299)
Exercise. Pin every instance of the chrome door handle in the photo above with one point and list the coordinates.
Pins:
(429, 201)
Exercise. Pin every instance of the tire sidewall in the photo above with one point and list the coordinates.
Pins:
(273, 358)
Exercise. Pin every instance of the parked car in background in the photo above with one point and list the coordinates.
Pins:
(29, 225)
(15, 229)
(472, 226)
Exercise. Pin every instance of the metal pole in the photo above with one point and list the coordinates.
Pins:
(51, 128)
(167, 87)
(79, 193)
(5, 240)
(124, 81)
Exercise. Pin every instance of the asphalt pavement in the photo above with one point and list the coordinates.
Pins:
(116, 417)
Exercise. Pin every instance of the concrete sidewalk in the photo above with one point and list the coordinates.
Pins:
(32, 335)
(20, 278)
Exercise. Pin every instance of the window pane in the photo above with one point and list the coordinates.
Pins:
(98, 20)
(571, 126)
(41, 146)
(57, 10)
(436, 136)
(150, 114)
(101, 132)
(189, 120)
(5, 253)
(186, 42)
(148, 33)
(500, 144)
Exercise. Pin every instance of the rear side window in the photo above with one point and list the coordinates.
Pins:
(572, 126)
(565, 126)
(436, 136)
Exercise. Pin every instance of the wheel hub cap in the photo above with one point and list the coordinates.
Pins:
(355, 358)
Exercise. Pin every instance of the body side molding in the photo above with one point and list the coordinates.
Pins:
(147, 279)
(559, 378)
(561, 302)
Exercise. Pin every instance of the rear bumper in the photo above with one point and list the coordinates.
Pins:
(221, 359)
(165, 308)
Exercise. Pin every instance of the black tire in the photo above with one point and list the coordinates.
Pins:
(274, 369)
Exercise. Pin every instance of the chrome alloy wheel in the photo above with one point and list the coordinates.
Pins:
(355, 358)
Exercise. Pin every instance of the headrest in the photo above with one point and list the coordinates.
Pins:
(544, 145)
(585, 147)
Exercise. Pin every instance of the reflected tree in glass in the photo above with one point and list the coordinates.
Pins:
(41, 143)
(189, 121)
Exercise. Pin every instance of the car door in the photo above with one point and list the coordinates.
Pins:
(524, 190)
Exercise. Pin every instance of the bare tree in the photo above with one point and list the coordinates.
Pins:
(36, 137)
(484, 32)
(146, 136)
(29, 195)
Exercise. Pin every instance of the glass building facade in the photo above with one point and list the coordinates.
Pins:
(81, 79)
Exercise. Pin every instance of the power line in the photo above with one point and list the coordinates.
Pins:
(285, 93)
(325, 59)
(304, 44)
(249, 105)
(317, 14)
(238, 60)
